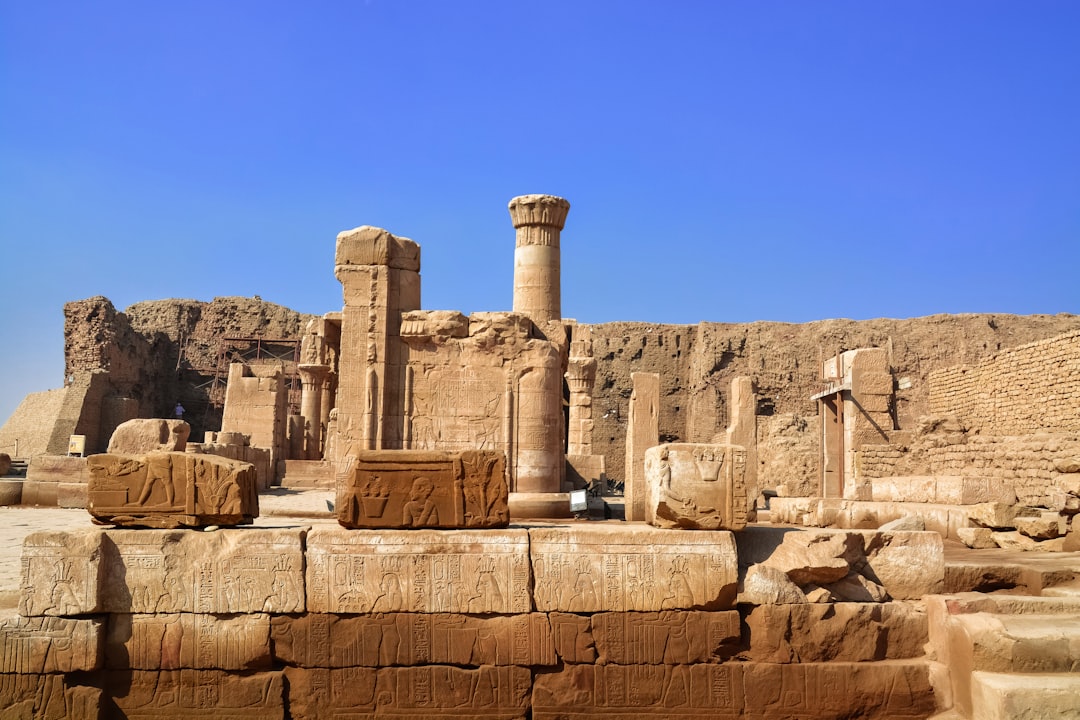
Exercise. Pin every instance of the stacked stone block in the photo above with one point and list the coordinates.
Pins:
(550, 622)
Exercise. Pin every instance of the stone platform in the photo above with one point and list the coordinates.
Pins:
(298, 617)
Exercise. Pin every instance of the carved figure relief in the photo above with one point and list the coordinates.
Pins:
(420, 489)
(695, 486)
(169, 490)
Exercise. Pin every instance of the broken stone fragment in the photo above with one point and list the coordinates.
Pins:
(856, 588)
(764, 585)
(907, 522)
(978, 538)
(145, 435)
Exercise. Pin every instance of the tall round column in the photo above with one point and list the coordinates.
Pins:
(311, 381)
(539, 220)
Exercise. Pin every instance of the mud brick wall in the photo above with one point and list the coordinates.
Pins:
(1025, 461)
(558, 622)
(1024, 390)
(877, 461)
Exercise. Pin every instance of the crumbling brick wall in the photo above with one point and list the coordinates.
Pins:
(1023, 390)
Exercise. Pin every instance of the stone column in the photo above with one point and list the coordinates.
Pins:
(580, 376)
(312, 378)
(539, 220)
(328, 389)
(642, 433)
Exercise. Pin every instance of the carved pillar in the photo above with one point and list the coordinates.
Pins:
(539, 220)
(642, 433)
(312, 378)
(380, 278)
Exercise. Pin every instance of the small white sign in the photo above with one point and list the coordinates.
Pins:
(579, 501)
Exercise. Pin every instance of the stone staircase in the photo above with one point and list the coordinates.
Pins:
(1008, 656)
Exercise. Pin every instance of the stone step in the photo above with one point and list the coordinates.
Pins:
(1007, 696)
(1020, 643)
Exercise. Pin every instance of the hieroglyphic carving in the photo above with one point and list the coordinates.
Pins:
(386, 639)
(189, 693)
(171, 641)
(50, 644)
(626, 692)
(696, 486)
(48, 696)
(665, 638)
(600, 568)
(423, 489)
(435, 691)
(228, 571)
(168, 490)
(417, 571)
(60, 574)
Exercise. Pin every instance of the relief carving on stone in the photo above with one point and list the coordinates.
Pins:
(417, 571)
(596, 570)
(423, 489)
(171, 490)
(696, 486)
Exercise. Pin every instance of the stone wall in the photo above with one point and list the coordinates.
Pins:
(1023, 390)
(546, 623)
(697, 362)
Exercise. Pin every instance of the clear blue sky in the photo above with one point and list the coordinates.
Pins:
(725, 161)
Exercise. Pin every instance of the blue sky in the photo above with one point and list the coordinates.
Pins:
(725, 161)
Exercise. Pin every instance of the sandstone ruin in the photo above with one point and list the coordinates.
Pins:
(790, 540)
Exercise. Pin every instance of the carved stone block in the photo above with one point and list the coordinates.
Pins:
(34, 696)
(169, 490)
(223, 572)
(332, 641)
(424, 489)
(50, 644)
(670, 637)
(171, 641)
(150, 695)
(604, 568)
(696, 486)
(891, 690)
(433, 691)
(60, 573)
(573, 637)
(809, 691)
(629, 692)
(465, 571)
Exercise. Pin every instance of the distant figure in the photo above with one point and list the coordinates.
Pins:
(179, 410)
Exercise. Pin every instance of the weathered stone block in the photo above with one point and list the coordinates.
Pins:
(173, 641)
(424, 489)
(39, 645)
(840, 632)
(222, 572)
(153, 695)
(908, 565)
(627, 692)
(60, 573)
(604, 568)
(147, 435)
(670, 637)
(169, 490)
(465, 571)
(696, 486)
(387, 639)
(573, 637)
(47, 696)
(890, 690)
(432, 691)
(1004, 696)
